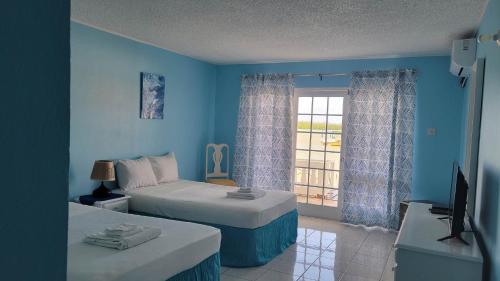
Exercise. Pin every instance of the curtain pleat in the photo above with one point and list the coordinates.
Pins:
(263, 150)
(378, 150)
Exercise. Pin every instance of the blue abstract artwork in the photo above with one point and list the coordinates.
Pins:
(152, 95)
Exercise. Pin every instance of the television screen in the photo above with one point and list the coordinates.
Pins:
(454, 174)
(457, 204)
(458, 201)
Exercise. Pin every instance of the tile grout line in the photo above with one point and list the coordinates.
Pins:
(387, 261)
(302, 275)
(323, 248)
(352, 258)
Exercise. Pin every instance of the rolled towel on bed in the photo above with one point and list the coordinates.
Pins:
(122, 243)
(255, 194)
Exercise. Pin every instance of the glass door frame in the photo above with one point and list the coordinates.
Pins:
(310, 209)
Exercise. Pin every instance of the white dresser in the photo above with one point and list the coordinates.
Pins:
(420, 257)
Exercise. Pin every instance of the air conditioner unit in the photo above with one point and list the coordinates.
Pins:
(463, 56)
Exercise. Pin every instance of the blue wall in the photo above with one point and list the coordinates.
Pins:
(105, 86)
(463, 128)
(34, 139)
(202, 104)
(487, 215)
(439, 105)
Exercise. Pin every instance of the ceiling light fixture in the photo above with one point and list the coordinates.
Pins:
(490, 37)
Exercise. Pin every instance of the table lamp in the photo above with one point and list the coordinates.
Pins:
(104, 170)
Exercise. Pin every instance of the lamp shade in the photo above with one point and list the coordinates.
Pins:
(104, 170)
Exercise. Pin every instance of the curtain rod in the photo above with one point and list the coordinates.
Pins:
(320, 74)
(332, 74)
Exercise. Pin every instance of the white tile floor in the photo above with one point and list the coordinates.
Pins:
(327, 251)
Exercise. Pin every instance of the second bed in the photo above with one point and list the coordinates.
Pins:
(184, 251)
(253, 231)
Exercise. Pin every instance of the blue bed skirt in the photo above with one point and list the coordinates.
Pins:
(207, 270)
(243, 247)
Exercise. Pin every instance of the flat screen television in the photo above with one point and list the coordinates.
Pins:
(457, 204)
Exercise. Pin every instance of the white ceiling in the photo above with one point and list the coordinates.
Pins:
(238, 31)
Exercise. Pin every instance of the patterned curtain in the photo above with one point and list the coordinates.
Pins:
(264, 138)
(378, 148)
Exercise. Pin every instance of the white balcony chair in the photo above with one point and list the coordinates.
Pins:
(217, 176)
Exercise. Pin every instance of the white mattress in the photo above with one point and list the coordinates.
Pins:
(207, 203)
(181, 246)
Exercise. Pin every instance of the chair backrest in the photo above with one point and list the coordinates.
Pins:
(217, 157)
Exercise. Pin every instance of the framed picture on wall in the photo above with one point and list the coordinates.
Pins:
(152, 95)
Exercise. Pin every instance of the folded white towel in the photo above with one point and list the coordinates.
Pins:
(245, 190)
(122, 230)
(123, 234)
(122, 227)
(101, 239)
(247, 195)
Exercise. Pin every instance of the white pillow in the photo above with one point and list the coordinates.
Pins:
(135, 173)
(165, 168)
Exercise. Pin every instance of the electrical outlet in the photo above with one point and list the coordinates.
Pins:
(431, 131)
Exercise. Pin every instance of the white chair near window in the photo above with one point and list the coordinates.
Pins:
(214, 173)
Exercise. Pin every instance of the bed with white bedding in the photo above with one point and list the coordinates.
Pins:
(253, 231)
(184, 251)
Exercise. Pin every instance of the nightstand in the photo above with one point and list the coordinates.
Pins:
(116, 202)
